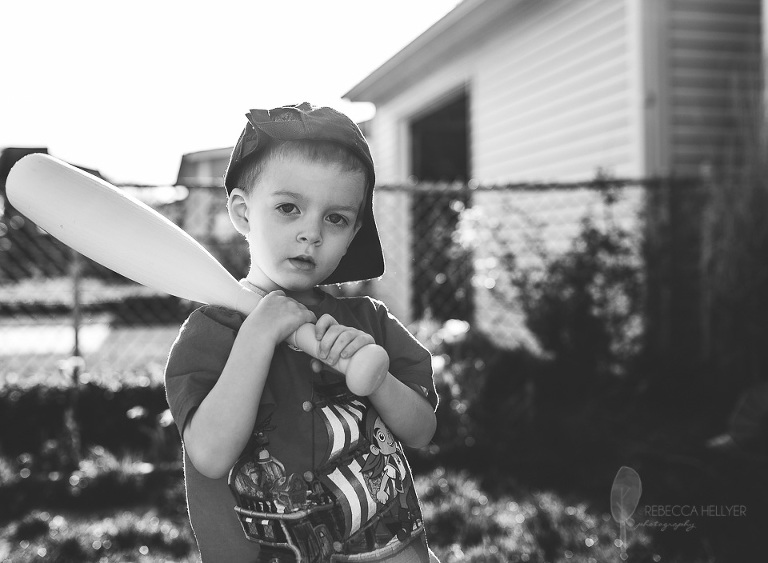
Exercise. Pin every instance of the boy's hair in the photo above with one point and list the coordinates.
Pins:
(303, 122)
(325, 152)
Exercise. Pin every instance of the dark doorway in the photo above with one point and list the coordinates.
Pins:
(440, 153)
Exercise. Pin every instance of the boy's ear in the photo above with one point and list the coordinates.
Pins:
(237, 206)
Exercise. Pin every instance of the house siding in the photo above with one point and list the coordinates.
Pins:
(553, 96)
(714, 58)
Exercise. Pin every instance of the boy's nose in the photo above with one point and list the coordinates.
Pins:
(310, 234)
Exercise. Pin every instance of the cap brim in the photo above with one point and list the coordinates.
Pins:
(364, 259)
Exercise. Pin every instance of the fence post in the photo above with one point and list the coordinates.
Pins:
(668, 248)
(75, 269)
(659, 247)
(75, 363)
(467, 191)
(707, 226)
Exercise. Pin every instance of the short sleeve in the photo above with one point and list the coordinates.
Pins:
(197, 358)
(409, 360)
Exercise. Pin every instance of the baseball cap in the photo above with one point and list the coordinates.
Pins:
(364, 259)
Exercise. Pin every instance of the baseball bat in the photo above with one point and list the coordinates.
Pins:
(127, 236)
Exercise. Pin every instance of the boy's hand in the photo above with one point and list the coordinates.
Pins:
(338, 341)
(279, 315)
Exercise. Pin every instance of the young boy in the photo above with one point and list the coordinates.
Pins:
(282, 462)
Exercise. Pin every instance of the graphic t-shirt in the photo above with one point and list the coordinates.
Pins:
(322, 474)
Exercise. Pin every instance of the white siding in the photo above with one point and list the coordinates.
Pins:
(554, 97)
(714, 58)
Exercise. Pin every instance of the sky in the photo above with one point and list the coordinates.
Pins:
(128, 87)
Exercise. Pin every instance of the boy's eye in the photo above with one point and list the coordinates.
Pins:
(337, 219)
(286, 208)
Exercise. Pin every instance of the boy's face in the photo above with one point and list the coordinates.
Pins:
(298, 220)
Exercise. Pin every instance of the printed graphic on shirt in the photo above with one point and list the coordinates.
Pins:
(359, 499)
(386, 466)
(342, 423)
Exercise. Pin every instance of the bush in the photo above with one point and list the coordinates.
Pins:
(143, 535)
(100, 481)
(464, 523)
(34, 424)
(585, 305)
(487, 396)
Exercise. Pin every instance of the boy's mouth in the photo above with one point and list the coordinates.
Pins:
(302, 262)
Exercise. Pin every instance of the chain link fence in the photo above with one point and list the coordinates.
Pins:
(458, 252)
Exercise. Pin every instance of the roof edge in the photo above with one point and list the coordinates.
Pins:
(452, 29)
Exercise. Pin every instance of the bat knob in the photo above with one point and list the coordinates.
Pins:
(367, 369)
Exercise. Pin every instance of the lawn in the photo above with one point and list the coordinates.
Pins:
(536, 493)
(521, 469)
(464, 522)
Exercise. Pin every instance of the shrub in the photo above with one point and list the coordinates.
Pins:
(34, 431)
(583, 305)
(111, 536)
(464, 524)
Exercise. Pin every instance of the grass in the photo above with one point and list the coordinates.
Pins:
(535, 494)
(464, 524)
(108, 510)
(141, 534)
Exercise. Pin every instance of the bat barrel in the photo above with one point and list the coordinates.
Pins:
(116, 230)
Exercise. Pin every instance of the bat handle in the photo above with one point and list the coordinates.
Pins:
(364, 371)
